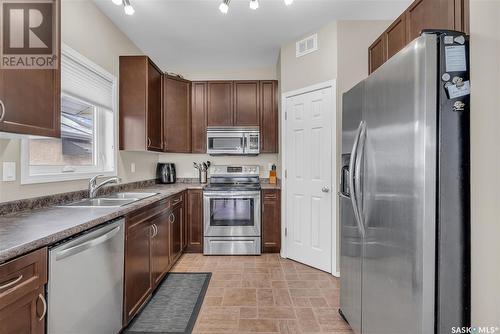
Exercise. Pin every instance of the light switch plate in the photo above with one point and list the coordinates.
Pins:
(132, 167)
(9, 171)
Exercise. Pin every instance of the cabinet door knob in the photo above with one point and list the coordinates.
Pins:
(2, 111)
(171, 218)
(149, 142)
(42, 298)
(325, 189)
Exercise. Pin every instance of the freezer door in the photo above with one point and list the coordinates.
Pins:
(399, 192)
(350, 236)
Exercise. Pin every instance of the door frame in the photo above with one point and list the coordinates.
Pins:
(332, 84)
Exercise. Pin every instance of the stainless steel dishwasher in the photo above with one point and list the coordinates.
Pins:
(85, 289)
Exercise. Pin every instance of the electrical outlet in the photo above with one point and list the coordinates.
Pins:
(9, 171)
(132, 167)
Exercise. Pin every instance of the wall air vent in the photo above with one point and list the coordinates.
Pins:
(306, 46)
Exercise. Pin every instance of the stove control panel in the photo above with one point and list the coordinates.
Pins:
(234, 171)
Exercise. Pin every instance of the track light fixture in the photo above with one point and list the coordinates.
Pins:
(224, 6)
(129, 10)
(254, 4)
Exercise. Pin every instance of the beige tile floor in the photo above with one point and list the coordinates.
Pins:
(265, 294)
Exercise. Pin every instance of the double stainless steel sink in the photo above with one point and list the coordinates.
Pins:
(110, 201)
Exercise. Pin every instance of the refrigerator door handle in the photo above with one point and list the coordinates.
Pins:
(357, 173)
(352, 163)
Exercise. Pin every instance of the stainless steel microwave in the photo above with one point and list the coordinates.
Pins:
(233, 141)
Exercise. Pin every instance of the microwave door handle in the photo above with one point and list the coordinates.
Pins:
(245, 143)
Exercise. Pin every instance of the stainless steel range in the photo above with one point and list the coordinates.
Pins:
(232, 211)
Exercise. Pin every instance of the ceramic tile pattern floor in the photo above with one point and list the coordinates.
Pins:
(265, 294)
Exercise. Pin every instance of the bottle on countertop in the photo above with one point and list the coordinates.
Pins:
(272, 175)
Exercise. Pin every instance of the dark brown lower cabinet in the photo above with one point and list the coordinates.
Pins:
(25, 315)
(137, 267)
(22, 294)
(194, 221)
(176, 225)
(160, 247)
(271, 221)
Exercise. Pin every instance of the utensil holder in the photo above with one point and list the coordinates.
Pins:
(203, 177)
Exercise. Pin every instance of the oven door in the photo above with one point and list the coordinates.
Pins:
(231, 214)
(225, 142)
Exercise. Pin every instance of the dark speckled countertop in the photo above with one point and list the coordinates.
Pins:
(25, 231)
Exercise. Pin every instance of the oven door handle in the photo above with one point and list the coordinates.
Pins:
(231, 194)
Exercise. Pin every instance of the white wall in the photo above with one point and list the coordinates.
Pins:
(87, 30)
(485, 155)
(342, 55)
(265, 73)
(316, 67)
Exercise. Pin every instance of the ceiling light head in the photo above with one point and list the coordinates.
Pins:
(254, 4)
(117, 2)
(224, 6)
(288, 2)
(129, 10)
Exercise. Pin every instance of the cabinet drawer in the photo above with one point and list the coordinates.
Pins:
(22, 275)
(176, 199)
(270, 194)
(147, 212)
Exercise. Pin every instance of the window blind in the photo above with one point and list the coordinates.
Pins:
(83, 82)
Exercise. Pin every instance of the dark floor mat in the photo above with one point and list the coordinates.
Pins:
(174, 307)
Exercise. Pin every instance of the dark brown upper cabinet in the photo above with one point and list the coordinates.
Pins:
(268, 117)
(420, 15)
(396, 36)
(220, 103)
(31, 99)
(234, 103)
(141, 104)
(246, 103)
(199, 117)
(376, 54)
(177, 114)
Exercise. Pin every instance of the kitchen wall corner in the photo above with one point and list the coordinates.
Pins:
(88, 31)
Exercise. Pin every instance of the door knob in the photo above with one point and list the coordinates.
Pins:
(325, 189)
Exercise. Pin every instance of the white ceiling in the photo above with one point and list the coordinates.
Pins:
(192, 35)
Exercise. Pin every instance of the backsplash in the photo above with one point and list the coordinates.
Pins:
(185, 169)
(67, 197)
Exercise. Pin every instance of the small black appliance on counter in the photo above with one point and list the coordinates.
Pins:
(165, 173)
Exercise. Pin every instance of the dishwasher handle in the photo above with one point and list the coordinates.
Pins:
(87, 244)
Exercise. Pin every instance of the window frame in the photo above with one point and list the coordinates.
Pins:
(46, 174)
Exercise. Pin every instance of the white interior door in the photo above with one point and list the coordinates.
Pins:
(308, 162)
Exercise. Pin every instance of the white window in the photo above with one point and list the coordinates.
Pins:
(88, 121)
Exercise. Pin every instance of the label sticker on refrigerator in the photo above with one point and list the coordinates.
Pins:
(455, 91)
(455, 58)
(446, 77)
(448, 39)
(460, 39)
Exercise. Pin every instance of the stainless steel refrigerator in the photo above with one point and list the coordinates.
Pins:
(404, 192)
